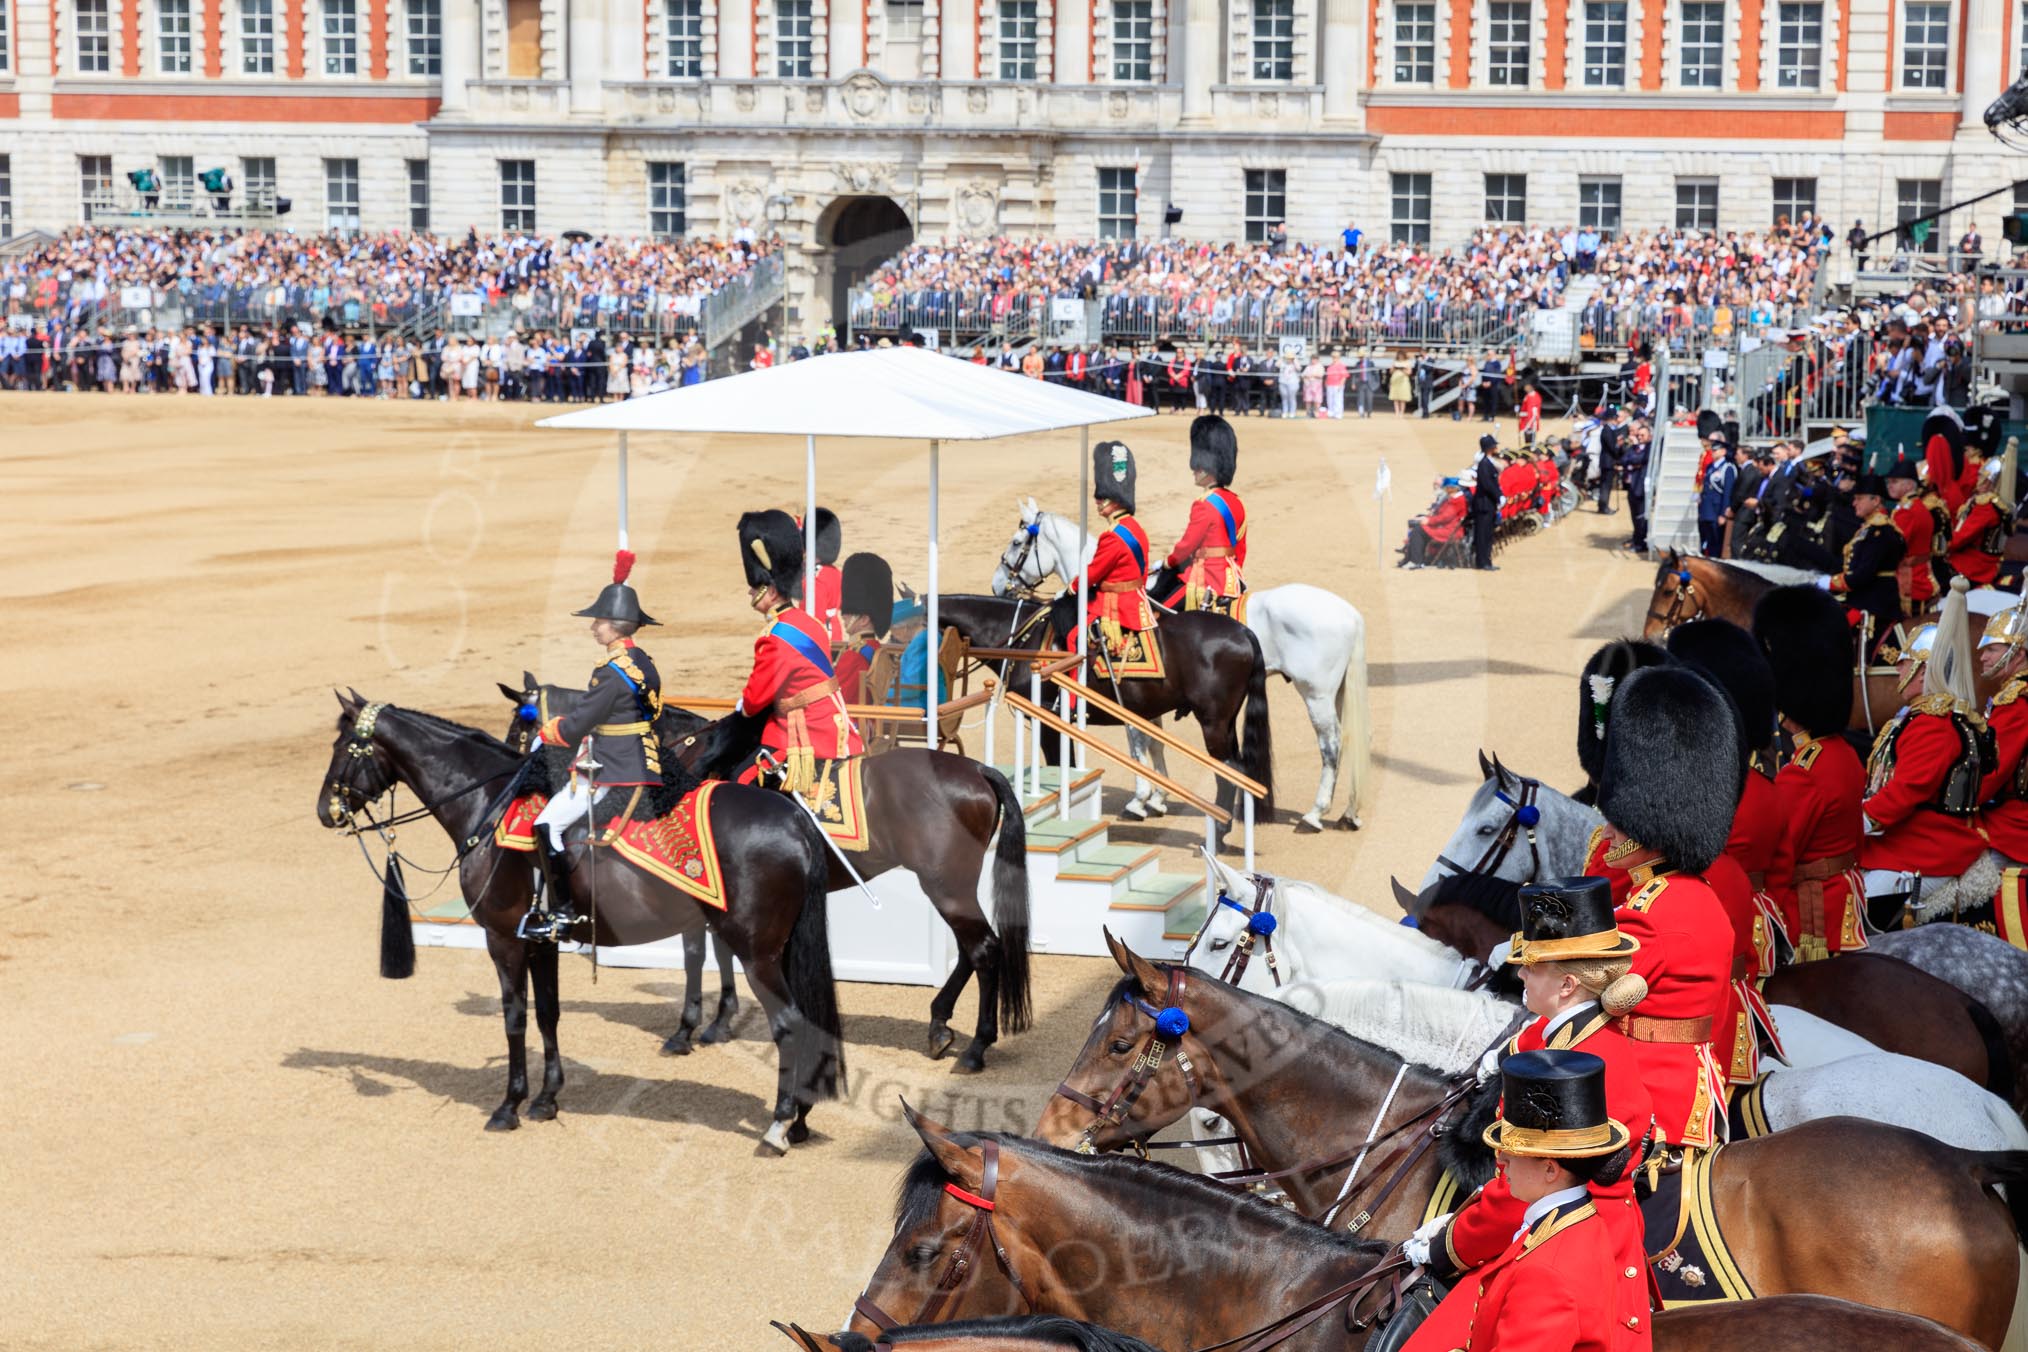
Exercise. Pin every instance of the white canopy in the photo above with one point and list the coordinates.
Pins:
(900, 392)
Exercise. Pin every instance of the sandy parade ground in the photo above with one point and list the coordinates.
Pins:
(228, 1131)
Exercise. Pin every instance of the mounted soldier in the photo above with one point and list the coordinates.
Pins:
(1978, 542)
(1212, 552)
(1925, 530)
(1574, 1276)
(1869, 580)
(1924, 777)
(2003, 653)
(1952, 462)
(614, 729)
(793, 685)
(866, 606)
(1808, 641)
(1576, 977)
(1122, 613)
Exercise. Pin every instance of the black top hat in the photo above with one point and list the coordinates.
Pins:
(1214, 449)
(617, 601)
(1112, 473)
(1566, 920)
(866, 587)
(1876, 484)
(1553, 1106)
(771, 548)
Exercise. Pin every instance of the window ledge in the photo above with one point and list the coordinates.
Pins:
(1608, 99)
(265, 86)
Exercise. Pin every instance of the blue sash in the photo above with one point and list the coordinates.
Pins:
(1133, 547)
(1231, 526)
(804, 645)
(866, 652)
(640, 700)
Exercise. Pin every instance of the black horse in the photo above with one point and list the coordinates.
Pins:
(929, 812)
(774, 920)
(1213, 671)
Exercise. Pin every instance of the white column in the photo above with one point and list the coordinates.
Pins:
(1202, 38)
(1341, 63)
(810, 529)
(623, 490)
(584, 50)
(933, 693)
(626, 39)
(461, 52)
(1984, 59)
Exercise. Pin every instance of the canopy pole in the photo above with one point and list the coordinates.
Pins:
(623, 490)
(1083, 556)
(932, 635)
(810, 532)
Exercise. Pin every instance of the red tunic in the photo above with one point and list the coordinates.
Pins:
(1817, 793)
(852, 667)
(1485, 1225)
(1686, 959)
(1915, 573)
(1575, 1282)
(1913, 838)
(784, 668)
(1212, 552)
(1446, 520)
(2005, 816)
(1970, 553)
(1114, 564)
(830, 583)
(1531, 412)
(1517, 488)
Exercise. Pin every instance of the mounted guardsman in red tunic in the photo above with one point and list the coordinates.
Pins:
(1809, 644)
(614, 729)
(1754, 850)
(1952, 461)
(1121, 611)
(1573, 1278)
(1978, 543)
(793, 683)
(1924, 776)
(1926, 527)
(2003, 652)
(866, 613)
(1577, 981)
(1212, 552)
(830, 540)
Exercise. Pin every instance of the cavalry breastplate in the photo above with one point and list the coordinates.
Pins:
(1940, 530)
(1958, 795)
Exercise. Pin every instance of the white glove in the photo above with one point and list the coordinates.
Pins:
(1489, 1064)
(1417, 1245)
(1823, 584)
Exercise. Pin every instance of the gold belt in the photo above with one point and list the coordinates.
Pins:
(1641, 1028)
(622, 729)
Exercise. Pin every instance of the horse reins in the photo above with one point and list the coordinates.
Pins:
(959, 1270)
(1526, 816)
(1686, 591)
(1260, 927)
(1166, 1037)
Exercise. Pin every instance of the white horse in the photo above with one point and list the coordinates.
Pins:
(1310, 637)
(1494, 837)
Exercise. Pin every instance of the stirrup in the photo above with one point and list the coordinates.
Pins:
(547, 927)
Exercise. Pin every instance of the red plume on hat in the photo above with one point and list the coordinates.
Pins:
(623, 564)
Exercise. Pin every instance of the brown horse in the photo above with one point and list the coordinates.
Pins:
(1895, 1006)
(1169, 1258)
(1214, 671)
(929, 812)
(1022, 1333)
(1304, 1098)
(775, 917)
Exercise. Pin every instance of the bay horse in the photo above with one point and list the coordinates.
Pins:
(1311, 638)
(1174, 1260)
(1020, 1333)
(774, 920)
(1470, 901)
(1214, 672)
(1308, 1100)
(930, 812)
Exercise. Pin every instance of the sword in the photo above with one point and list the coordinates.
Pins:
(589, 764)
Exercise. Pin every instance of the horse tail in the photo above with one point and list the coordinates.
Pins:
(1356, 737)
(397, 939)
(806, 965)
(2004, 1169)
(1999, 1056)
(1010, 904)
(1257, 748)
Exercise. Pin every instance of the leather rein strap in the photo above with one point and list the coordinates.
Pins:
(959, 1270)
(1242, 948)
(1686, 592)
(1120, 1103)
(1496, 853)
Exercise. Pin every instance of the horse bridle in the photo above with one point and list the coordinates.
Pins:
(1030, 532)
(1525, 817)
(959, 1270)
(1686, 591)
(1171, 1023)
(1260, 927)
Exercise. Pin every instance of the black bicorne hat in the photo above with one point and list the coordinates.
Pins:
(1903, 468)
(1214, 448)
(1735, 663)
(1672, 768)
(1602, 675)
(1112, 473)
(866, 587)
(1876, 484)
(617, 601)
(830, 536)
(1808, 642)
(1567, 920)
(771, 547)
(1553, 1105)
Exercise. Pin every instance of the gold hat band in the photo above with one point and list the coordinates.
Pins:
(1602, 1139)
(1605, 944)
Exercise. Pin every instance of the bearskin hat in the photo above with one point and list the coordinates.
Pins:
(1672, 768)
(1709, 424)
(1214, 448)
(1808, 642)
(866, 587)
(1602, 675)
(830, 536)
(1943, 444)
(771, 547)
(1734, 662)
(1112, 473)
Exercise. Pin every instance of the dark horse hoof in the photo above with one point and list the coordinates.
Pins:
(504, 1118)
(1308, 826)
(718, 1030)
(540, 1111)
(940, 1040)
(971, 1062)
(677, 1044)
(799, 1132)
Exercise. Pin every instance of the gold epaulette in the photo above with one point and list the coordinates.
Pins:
(1939, 703)
(2011, 691)
(1806, 754)
(1881, 519)
(1645, 898)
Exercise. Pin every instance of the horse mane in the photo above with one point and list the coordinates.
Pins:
(465, 730)
(1498, 899)
(1463, 1150)
(1045, 1330)
(922, 1189)
(1362, 915)
(723, 747)
(1446, 1030)
(1767, 576)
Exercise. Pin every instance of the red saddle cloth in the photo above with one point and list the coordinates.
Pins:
(677, 848)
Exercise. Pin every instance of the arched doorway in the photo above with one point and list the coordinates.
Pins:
(860, 233)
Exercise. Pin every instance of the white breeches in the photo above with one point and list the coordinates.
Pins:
(564, 810)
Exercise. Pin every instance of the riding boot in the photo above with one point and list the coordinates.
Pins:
(556, 916)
